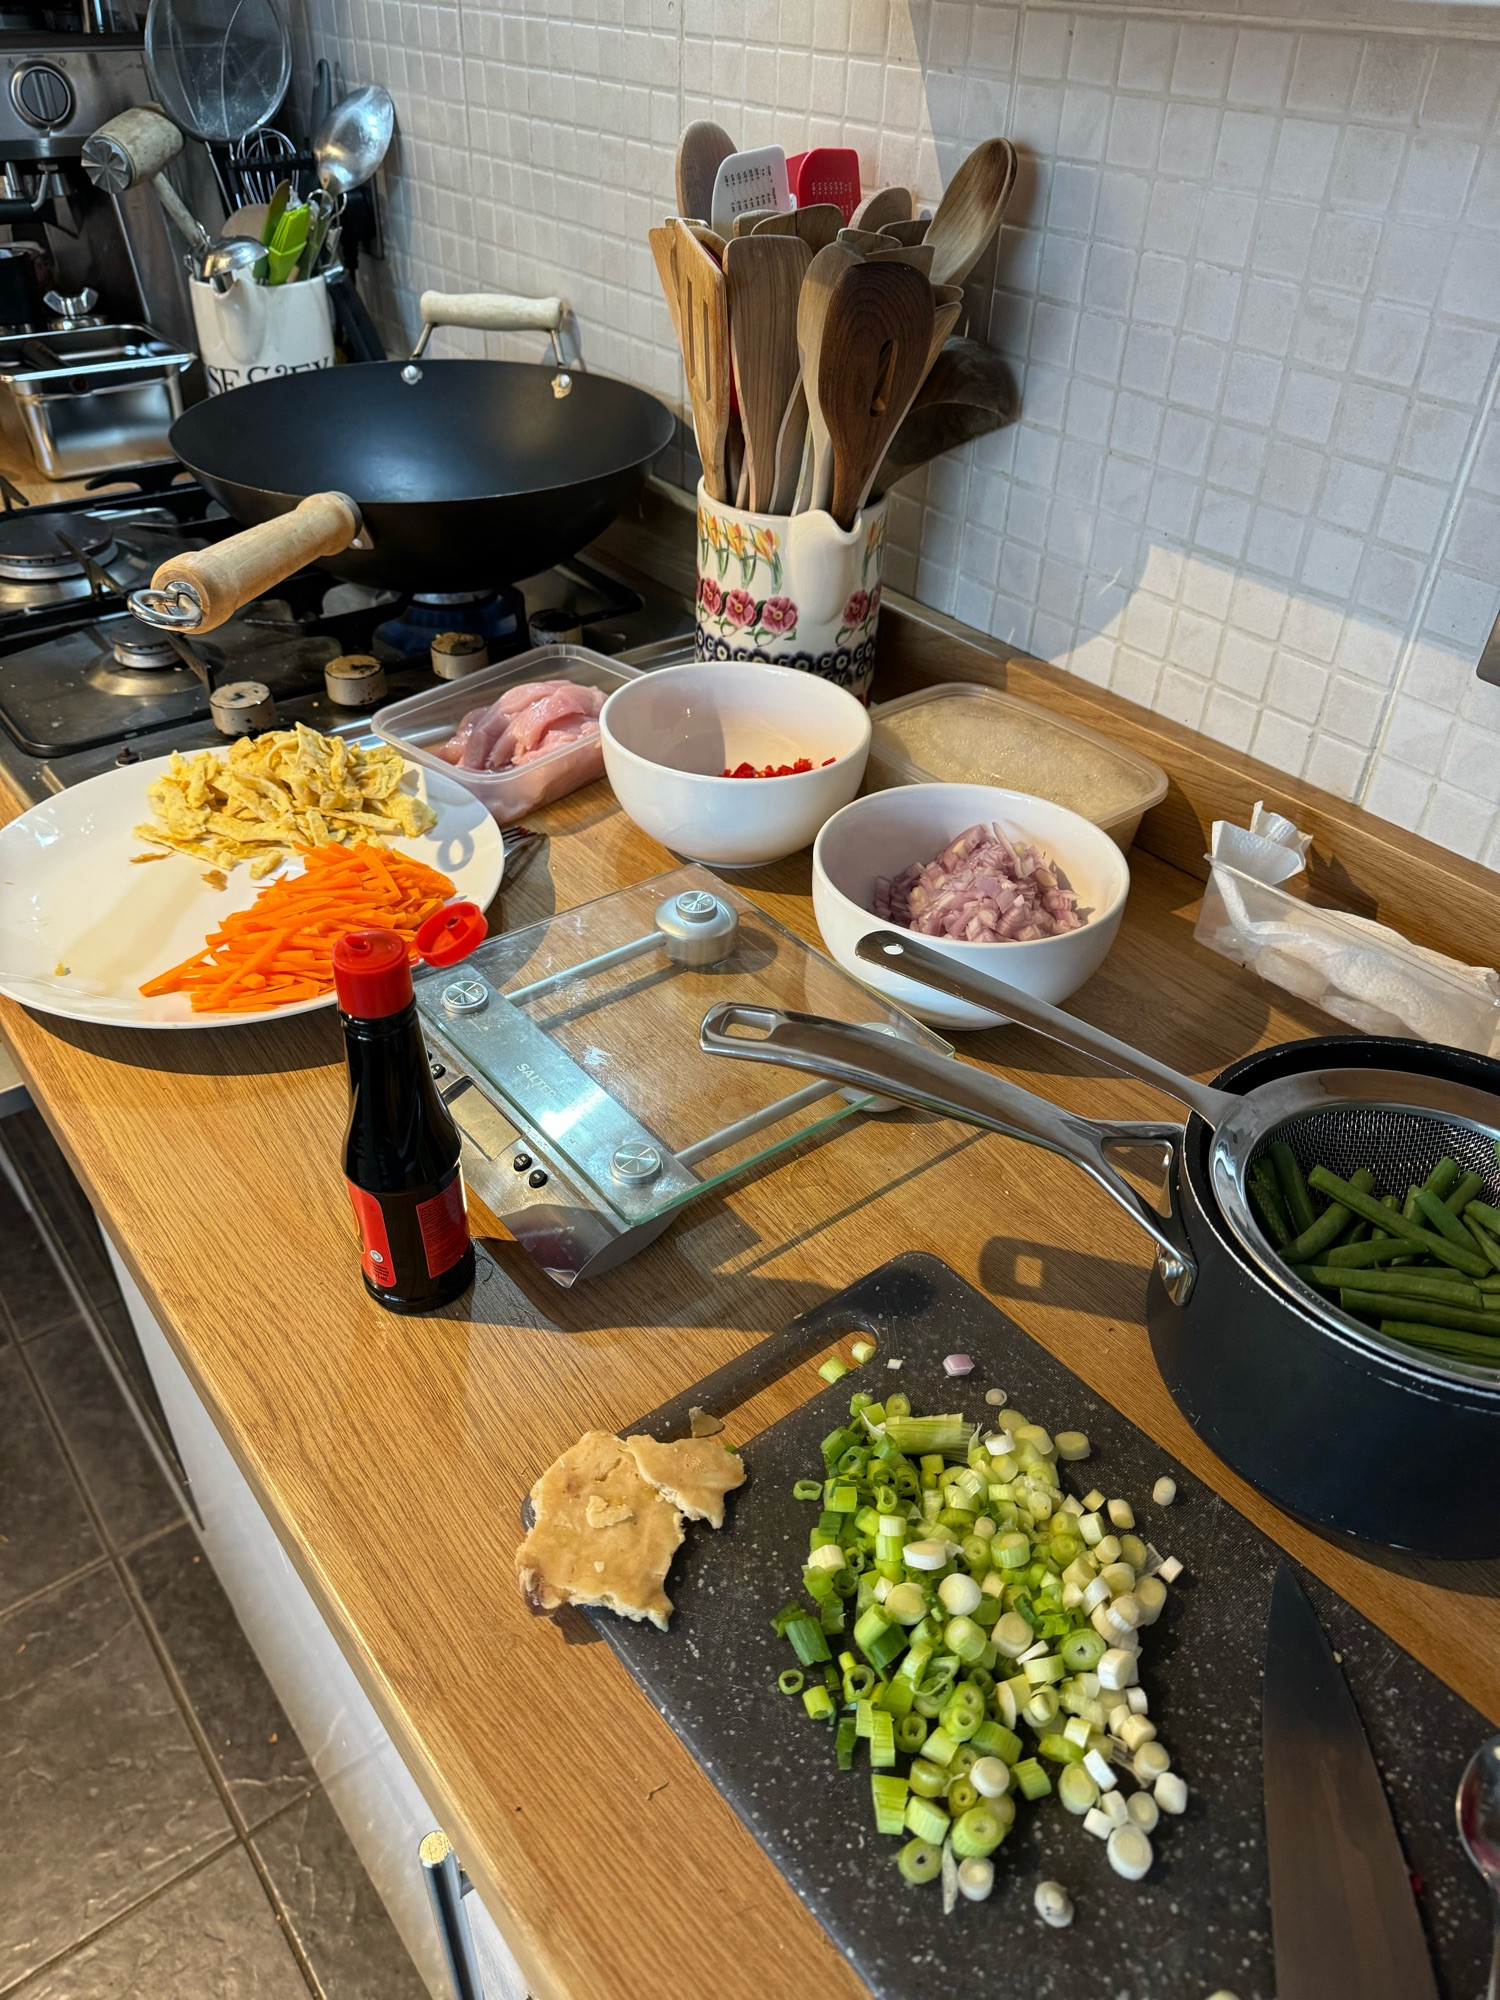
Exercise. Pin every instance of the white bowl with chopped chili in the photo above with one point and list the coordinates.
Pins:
(674, 739)
(862, 852)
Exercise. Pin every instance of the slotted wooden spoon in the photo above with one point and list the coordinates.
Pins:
(704, 326)
(700, 149)
(970, 211)
(877, 331)
(763, 276)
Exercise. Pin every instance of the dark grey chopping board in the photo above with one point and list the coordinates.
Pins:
(1200, 1920)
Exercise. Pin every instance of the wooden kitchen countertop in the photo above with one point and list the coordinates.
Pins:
(392, 1454)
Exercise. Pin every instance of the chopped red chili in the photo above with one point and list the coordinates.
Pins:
(772, 770)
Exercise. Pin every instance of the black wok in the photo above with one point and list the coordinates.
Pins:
(473, 475)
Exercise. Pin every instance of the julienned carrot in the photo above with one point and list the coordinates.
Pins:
(280, 950)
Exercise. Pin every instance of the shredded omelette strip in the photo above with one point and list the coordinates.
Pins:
(267, 796)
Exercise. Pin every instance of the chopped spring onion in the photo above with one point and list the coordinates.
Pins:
(1053, 1905)
(833, 1369)
(976, 1878)
(863, 1351)
(889, 1796)
(919, 1861)
(1130, 1852)
(952, 1560)
(1170, 1793)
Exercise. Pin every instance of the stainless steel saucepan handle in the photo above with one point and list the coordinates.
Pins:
(913, 959)
(920, 1076)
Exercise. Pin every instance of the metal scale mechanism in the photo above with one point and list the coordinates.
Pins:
(568, 1056)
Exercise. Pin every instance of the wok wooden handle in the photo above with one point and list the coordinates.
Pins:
(237, 571)
(492, 312)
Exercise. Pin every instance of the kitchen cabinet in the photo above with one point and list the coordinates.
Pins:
(379, 1802)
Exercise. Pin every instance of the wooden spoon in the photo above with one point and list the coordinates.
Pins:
(910, 233)
(969, 213)
(704, 319)
(887, 204)
(744, 225)
(876, 335)
(700, 149)
(969, 391)
(819, 282)
(763, 275)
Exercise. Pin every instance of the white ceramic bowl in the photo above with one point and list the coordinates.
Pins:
(668, 736)
(886, 831)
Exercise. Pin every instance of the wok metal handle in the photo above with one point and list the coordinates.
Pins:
(913, 959)
(916, 1075)
(203, 588)
(491, 312)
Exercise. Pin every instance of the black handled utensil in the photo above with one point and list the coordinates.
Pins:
(1344, 1918)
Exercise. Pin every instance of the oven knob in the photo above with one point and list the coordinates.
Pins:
(42, 95)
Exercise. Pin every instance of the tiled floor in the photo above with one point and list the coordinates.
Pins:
(161, 1832)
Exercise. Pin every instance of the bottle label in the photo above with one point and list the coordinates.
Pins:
(374, 1242)
(441, 1220)
(444, 1223)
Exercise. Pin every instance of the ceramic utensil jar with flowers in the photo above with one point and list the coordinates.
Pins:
(796, 590)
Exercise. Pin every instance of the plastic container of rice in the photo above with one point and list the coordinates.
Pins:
(963, 733)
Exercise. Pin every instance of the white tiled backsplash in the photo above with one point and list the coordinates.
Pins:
(1249, 285)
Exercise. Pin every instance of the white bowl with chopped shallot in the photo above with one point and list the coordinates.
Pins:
(1002, 882)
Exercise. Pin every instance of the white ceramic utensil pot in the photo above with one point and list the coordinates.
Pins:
(253, 331)
(793, 590)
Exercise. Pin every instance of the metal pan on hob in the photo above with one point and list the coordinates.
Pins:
(1341, 1425)
(445, 476)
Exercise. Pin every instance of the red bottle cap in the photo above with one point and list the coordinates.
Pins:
(371, 975)
(451, 934)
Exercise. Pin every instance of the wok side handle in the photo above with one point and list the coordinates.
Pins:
(203, 588)
(492, 312)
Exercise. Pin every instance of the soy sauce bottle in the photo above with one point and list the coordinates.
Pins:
(401, 1149)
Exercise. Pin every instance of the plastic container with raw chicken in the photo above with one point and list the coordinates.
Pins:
(522, 733)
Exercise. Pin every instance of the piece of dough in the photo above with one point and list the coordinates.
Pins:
(694, 1473)
(601, 1534)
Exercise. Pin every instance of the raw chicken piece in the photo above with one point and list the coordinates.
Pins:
(982, 889)
(524, 724)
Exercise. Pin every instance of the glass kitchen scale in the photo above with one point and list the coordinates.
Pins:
(567, 1054)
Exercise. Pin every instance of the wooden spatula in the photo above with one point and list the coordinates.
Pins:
(746, 224)
(970, 211)
(887, 204)
(876, 335)
(663, 250)
(818, 226)
(763, 276)
(699, 151)
(919, 256)
(815, 487)
(704, 321)
(909, 233)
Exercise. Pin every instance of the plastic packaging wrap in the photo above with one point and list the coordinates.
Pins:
(1359, 971)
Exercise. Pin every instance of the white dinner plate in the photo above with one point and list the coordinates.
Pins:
(71, 897)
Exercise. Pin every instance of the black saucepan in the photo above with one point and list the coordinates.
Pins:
(1334, 1422)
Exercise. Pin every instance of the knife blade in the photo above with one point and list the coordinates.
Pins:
(1344, 1919)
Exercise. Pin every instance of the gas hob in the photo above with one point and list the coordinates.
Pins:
(84, 685)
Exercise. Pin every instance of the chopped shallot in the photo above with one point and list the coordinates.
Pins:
(958, 1364)
(984, 889)
(527, 722)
